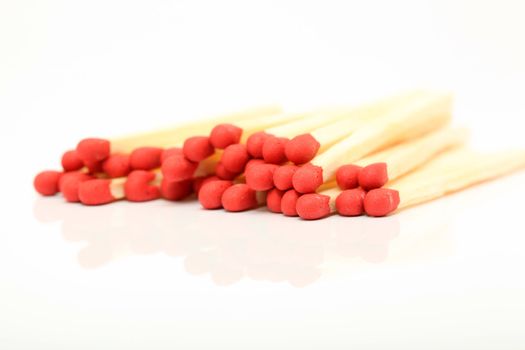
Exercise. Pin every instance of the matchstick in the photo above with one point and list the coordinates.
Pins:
(199, 148)
(451, 172)
(97, 149)
(376, 170)
(304, 147)
(270, 143)
(412, 120)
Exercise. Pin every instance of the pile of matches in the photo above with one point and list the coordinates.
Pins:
(372, 159)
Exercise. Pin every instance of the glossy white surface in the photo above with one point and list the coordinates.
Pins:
(445, 275)
(162, 275)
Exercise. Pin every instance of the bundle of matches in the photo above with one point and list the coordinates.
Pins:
(373, 159)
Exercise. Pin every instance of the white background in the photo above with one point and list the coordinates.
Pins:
(161, 275)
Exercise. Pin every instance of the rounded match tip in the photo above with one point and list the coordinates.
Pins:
(273, 150)
(255, 143)
(381, 201)
(373, 176)
(197, 148)
(223, 135)
(198, 182)
(145, 158)
(308, 178)
(260, 176)
(289, 202)
(168, 152)
(69, 184)
(93, 150)
(252, 162)
(223, 173)
(235, 157)
(176, 190)
(138, 188)
(283, 175)
(46, 182)
(239, 197)
(210, 194)
(302, 149)
(117, 165)
(178, 168)
(71, 161)
(273, 200)
(95, 192)
(313, 206)
(350, 202)
(346, 176)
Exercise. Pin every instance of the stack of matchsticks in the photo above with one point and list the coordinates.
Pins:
(371, 159)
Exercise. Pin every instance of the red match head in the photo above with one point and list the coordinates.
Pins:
(117, 165)
(46, 182)
(350, 202)
(168, 152)
(235, 157)
(283, 175)
(381, 201)
(94, 167)
(71, 161)
(176, 190)
(260, 176)
(308, 178)
(69, 185)
(223, 135)
(273, 200)
(138, 188)
(255, 143)
(92, 150)
(223, 173)
(253, 161)
(373, 176)
(313, 206)
(273, 150)
(302, 149)
(95, 192)
(346, 176)
(178, 168)
(210, 194)
(198, 182)
(145, 158)
(239, 197)
(289, 202)
(197, 148)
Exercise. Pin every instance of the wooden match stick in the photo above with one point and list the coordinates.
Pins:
(411, 120)
(272, 147)
(95, 150)
(451, 172)
(304, 147)
(226, 134)
(376, 170)
(177, 134)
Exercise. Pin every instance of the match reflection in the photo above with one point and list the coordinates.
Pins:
(228, 248)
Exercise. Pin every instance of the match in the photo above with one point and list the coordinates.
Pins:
(97, 149)
(415, 118)
(376, 170)
(451, 172)
(375, 159)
